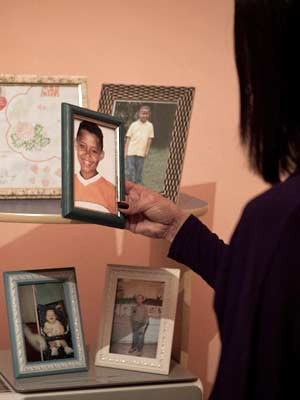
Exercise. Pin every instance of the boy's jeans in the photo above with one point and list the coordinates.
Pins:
(138, 334)
(134, 168)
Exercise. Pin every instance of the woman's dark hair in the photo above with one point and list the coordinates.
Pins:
(92, 128)
(266, 46)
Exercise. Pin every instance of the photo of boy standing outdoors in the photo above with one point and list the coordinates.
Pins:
(139, 321)
(138, 141)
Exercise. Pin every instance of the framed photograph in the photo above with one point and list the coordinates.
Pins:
(139, 307)
(156, 120)
(92, 166)
(44, 322)
(30, 132)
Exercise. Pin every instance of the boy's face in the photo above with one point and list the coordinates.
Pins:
(89, 153)
(139, 299)
(144, 114)
(50, 316)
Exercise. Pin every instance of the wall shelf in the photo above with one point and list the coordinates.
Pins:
(48, 211)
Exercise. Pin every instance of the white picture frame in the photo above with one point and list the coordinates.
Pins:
(118, 340)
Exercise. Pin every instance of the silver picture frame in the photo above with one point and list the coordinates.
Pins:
(32, 297)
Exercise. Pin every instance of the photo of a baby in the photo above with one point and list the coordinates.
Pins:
(56, 332)
(45, 322)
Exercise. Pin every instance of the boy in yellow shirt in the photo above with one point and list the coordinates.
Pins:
(138, 141)
(91, 190)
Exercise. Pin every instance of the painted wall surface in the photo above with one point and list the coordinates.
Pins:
(163, 42)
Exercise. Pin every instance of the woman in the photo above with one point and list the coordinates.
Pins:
(256, 277)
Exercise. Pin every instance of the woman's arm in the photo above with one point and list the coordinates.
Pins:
(194, 245)
(198, 248)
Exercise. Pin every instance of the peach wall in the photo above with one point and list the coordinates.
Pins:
(163, 42)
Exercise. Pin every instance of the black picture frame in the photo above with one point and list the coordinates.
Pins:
(170, 113)
(112, 131)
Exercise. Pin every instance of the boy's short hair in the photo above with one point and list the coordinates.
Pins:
(93, 129)
(145, 106)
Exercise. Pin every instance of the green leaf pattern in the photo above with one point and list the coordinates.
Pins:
(37, 142)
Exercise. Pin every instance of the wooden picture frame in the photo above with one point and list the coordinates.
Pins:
(92, 166)
(30, 134)
(159, 164)
(44, 322)
(139, 307)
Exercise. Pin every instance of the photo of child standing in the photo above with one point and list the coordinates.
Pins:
(139, 321)
(138, 141)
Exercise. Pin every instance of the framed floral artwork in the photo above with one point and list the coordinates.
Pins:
(30, 132)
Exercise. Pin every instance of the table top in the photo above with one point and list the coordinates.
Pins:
(3, 387)
(95, 377)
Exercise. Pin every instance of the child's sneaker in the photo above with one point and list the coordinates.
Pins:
(132, 350)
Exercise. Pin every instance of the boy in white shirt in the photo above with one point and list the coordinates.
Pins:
(138, 141)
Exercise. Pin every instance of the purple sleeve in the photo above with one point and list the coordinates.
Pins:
(198, 248)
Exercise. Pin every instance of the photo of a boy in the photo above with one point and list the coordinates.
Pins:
(139, 321)
(137, 317)
(91, 190)
(137, 145)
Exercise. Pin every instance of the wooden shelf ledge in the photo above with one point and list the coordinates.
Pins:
(47, 211)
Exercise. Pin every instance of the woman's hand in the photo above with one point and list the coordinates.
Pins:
(150, 214)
